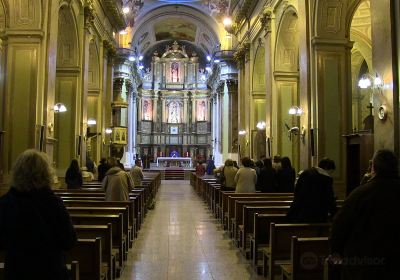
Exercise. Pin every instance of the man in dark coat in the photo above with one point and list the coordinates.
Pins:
(366, 231)
(35, 227)
(313, 198)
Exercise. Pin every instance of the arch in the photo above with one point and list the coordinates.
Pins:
(259, 70)
(94, 66)
(68, 50)
(204, 29)
(286, 48)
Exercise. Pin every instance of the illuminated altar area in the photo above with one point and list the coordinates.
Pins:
(173, 106)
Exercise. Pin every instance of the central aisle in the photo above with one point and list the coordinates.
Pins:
(180, 240)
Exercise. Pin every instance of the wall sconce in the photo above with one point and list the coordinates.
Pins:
(242, 132)
(91, 121)
(369, 81)
(59, 108)
(108, 131)
(261, 125)
(228, 24)
(295, 110)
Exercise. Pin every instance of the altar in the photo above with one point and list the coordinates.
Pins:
(174, 161)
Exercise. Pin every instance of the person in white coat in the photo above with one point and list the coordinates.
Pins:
(246, 177)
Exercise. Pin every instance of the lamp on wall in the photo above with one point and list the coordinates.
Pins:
(296, 130)
(261, 125)
(59, 108)
(369, 81)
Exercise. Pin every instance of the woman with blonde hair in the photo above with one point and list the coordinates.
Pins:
(35, 227)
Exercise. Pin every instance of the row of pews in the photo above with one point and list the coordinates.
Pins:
(257, 225)
(106, 230)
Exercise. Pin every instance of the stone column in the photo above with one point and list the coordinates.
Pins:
(233, 115)
(267, 20)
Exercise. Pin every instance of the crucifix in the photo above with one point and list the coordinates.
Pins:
(370, 107)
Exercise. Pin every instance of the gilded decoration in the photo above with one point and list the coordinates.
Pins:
(266, 18)
(241, 54)
(89, 13)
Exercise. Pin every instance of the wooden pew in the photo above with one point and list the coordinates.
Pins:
(228, 203)
(307, 259)
(248, 219)
(237, 218)
(105, 233)
(107, 211)
(88, 253)
(279, 248)
(133, 211)
(259, 239)
(117, 232)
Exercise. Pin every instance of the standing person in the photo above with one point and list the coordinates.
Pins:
(210, 166)
(35, 226)
(73, 176)
(259, 165)
(246, 177)
(102, 169)
(116, 183)
(276, 162)
(313, 198)
(268, 178)
(228, 172)
(286, 176)
(137, 173)
(200, 169)
(366, 230)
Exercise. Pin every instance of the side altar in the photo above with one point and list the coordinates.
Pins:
(174, 161)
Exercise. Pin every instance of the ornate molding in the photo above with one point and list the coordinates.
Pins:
(266, 19)
(111, 50)
(115, 14)
(220, 87)
(89, 13)
(242, 54)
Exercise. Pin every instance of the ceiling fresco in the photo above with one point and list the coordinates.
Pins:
(175, 29)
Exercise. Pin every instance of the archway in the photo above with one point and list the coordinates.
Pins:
(94, 104)
(258, 144)
(67, 77)
(286, 81)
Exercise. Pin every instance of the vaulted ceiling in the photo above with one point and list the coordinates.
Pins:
(197, 22)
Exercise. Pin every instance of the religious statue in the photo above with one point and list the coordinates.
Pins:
(175, 72)
(201, 110)
(173, 112)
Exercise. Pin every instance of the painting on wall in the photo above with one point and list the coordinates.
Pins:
(147, 110)
(175, 29)
(201, 109)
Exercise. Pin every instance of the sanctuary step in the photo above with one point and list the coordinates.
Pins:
(174, 174)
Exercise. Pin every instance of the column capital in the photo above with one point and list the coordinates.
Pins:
(89, 13)
(266, 18)
(242, 54)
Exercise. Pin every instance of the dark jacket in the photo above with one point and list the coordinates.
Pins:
(210, 167)
(74, 180)
(285, 178)
(35, 229)
(366, 231)
(313, 197)
(267, 180)
(102, 170)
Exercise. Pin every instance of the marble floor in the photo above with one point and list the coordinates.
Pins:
(180, 239)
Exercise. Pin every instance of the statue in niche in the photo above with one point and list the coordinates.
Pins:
(175, 72)
(173, 112)
(147, 110)
(201, 110)
(147, 75)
